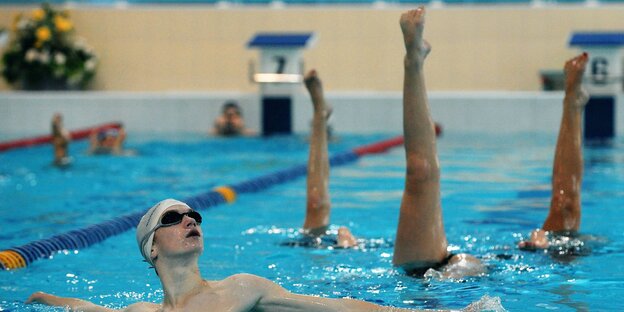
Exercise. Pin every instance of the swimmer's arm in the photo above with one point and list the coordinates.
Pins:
(219, 123)
(119, 140)
(93, 143)
(78, 305)
(71, 304)
(121, 137)
(66, 135)
(275, 298)
(292, 302)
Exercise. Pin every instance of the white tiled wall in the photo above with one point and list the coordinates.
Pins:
(27, 113)
(23, 113)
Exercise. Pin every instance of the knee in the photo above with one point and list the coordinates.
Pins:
(421, 169)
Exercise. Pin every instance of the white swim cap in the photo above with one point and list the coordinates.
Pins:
(149, 221)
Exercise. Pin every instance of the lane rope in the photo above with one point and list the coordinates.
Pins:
(22, 256)
(44, 139)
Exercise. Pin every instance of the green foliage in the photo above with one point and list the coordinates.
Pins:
(43, 53)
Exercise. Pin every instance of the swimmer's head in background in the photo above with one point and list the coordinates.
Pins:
(57, 123)
(231, 106)
(149, 224)
(108, 133)
(57, 117)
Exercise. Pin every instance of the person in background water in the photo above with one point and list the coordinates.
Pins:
(231, 122)
(559, 234)
(108, 141)
(60, 141)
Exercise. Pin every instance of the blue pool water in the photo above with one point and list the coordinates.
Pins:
(495, 189)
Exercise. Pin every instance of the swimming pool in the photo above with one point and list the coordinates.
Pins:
(494, 190)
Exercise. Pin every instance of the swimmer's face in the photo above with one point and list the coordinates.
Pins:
(57, 119)
(184, 238)
(232, 113)
(109, 141)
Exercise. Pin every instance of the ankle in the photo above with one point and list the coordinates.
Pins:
(319, 109)
(413, 61)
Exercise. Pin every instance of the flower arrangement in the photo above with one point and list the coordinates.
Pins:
(43, 53)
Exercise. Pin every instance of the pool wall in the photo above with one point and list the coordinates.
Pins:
(28, 113)
(203, 47)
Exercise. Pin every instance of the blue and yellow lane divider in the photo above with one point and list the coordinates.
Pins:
(227, 193)
(22, 256)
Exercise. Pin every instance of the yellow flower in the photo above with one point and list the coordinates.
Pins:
(43, 34)
(38, 14)
(62, 24)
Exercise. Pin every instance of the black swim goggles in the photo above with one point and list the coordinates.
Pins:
(173, 217)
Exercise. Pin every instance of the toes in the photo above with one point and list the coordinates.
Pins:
(311, 80)
(310, 75)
